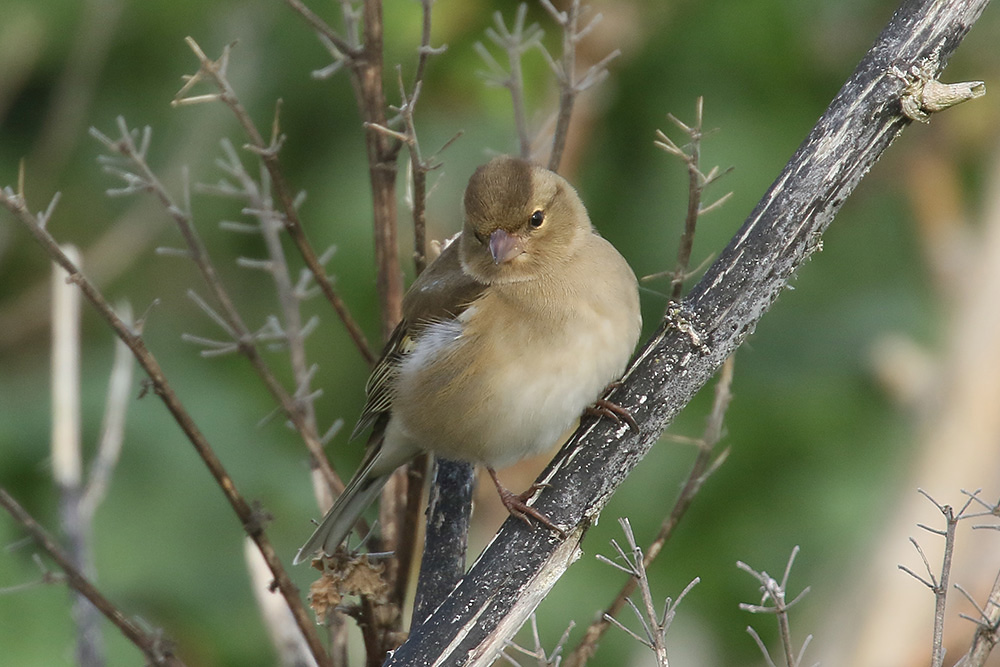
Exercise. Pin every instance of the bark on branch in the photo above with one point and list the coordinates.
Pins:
(520, 566)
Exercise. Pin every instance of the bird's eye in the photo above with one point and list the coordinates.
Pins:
(537, 218)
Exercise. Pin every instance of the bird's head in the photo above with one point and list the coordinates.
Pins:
(521, 220)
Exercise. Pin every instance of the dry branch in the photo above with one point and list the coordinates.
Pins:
(157, 651)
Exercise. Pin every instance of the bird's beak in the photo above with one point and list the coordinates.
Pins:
(504, 246)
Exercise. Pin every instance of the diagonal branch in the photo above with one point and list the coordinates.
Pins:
(139, 177)
(249, 517)
(214, 71)
(472, 624)
(156, 650)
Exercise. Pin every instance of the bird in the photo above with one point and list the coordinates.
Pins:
(517, 327)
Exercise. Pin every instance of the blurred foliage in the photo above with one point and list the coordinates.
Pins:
(817, 445)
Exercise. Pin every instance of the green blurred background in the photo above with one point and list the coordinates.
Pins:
(821, 443)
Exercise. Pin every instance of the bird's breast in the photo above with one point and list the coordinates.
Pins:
(503, 382)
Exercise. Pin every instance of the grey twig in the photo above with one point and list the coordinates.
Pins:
(514, 42)
(214, 73)
(113, 426)
(654, 625)
(938, 586)
(570, 86)
(544, 659)
(287, 331)
(776, 592)
(986, 634)
(690, 154)
(987, 628)
(129, 162)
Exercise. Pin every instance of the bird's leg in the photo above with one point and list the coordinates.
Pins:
(517, 504)
(604, 407)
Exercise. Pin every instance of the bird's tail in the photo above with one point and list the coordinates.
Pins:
(348, 508)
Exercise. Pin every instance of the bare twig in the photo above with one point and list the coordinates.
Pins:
(67, 454)
(418, 167)
(113, 425)
(939, 584)
(250, 519)
(654, 625)
(987, 628)
(697, 182)
(382, 154)
(362, 54)
(514, 41)
(551, 659)
(348, 48)
(776, 592)
(156, 650)
(139, 177)
(425, 51)
(565, 70)
(214, 72)
(256, 193)
(287, 640)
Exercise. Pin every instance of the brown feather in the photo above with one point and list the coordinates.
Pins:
(442, 291)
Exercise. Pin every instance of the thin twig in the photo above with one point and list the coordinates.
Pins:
(113, 425)
(249, 518)
(156, 650)
(565, 70)
(987, 629)
(143, 179)
(214, 71)
(291, 331)
(776, 592)
(939, 584)
(690, 154)
(324, 29)
(654, 625)
(67, 455)
(288, 643)
(551, 659)
(514, 41)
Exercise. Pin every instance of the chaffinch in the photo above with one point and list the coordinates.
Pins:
(506, 338)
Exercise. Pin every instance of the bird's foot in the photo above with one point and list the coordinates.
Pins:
(604, 407)
(517, 504)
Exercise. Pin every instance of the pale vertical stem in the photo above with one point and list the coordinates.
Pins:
(67, 460)
(67, 464)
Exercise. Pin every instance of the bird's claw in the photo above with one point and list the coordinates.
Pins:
(517, 504)
(604, 407)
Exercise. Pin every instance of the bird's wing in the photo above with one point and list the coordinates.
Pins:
(440, 293)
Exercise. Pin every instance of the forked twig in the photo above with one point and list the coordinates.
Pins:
(776, 592)
(690, 154)
(939, 584)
